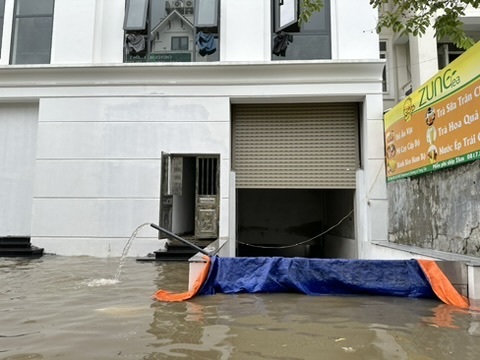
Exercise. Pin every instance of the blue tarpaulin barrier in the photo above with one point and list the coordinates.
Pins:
(316, 277)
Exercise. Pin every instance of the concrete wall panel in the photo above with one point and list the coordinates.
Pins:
(378, 210)
(18, 142)
(100, 140)
(135, 109)
(375, 182)
(95, 218)
(439, 211)
(375, 135)
(97, 178)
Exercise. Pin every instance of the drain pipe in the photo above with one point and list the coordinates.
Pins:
(176, 237)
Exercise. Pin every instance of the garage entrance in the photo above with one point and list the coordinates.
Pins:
(295, 168)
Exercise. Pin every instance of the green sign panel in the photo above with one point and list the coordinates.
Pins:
(163, 57)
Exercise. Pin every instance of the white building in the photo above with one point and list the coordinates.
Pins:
(411, 61)
(258, 148)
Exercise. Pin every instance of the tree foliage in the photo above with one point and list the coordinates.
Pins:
(415, 16)
(308, 8)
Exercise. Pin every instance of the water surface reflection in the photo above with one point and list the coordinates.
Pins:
(66, 308)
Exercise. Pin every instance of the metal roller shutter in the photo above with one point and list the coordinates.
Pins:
(302, 146)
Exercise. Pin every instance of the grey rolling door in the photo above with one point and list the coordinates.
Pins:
(311, 146)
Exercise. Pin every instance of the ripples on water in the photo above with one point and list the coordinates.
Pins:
(73, 308)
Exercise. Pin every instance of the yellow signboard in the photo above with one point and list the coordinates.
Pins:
(438, 125)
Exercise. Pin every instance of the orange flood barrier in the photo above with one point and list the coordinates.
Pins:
(162, 295)
(441, 286)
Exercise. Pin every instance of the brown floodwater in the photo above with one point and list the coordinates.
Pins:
(70, 308)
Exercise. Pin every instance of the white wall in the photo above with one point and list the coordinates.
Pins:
(87, 31)
(102, 129)
(371, 205)
(245, 30)
(108, 34)
(340, 247)
(98, 157)
(98, 166)
(353, 30)
(91, 31)
(18, 135)
(73, 32)
(423, 57)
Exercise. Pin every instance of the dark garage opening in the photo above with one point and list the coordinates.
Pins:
(279, 222)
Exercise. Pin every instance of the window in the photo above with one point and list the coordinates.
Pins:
(383, 55)
(2, 10)
(447, 52)
(207, 168)
(385, 52)
(171, 30)
(32, 32)
(179, 43)
(136, 15)
(294, 41)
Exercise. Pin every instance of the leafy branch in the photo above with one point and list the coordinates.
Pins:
(308, 8)
(415, 16)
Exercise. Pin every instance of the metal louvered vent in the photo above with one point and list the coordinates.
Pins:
(308, 146)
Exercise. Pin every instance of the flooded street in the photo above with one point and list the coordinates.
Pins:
(70, 308)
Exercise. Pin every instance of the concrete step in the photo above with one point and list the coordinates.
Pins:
(30, 252)
(16, 242)
(18, 246)
(176, 252)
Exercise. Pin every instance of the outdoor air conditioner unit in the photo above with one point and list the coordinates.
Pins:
(189, 3)
(178, 4)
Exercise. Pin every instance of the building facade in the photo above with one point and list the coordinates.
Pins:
(413, 60)
(436, 213)
(217, 119)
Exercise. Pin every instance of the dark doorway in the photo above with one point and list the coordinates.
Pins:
(189, 197)
(290, 222)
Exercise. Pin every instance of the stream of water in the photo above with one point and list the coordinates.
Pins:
(125, 251)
